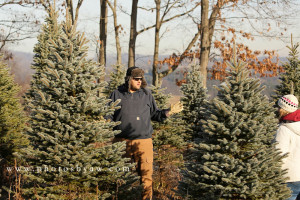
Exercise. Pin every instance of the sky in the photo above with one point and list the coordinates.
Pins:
(172, 41)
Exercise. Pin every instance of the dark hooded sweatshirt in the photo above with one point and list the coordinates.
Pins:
(136, 112)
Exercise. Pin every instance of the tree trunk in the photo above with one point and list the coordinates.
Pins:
(103, 32)
(205, 42)
(117, 27)
(155, 80)
(118, 46)
(133, 34)
(70, 9)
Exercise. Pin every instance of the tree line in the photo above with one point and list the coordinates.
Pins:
(214, 30)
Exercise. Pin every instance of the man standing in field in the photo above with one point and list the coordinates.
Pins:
(138, 108)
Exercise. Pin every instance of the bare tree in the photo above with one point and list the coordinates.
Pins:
(103, 31)
(205, 39)
(117, 29)
(251, 12)
(162, 16)
(70, 9)
(19, 24)
(167, 7)
(68, 4)
(25, 3)
(175, 60)
(133, 34)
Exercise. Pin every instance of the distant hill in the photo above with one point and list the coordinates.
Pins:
(21, 63)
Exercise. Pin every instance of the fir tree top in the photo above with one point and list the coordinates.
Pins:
(194, 98)
(290, 79)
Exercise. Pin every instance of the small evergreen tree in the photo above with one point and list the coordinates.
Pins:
(116, 79)
(168, 144)
(71, 154)
(236, 158)
(168, 132)
(194, 97)
(290, 79)
(12, 122)
(161, 101)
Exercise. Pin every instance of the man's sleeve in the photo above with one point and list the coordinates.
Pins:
(156, 114)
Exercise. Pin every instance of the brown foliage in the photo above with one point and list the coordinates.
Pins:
(175, 60)
(267, 67)
(14, 181)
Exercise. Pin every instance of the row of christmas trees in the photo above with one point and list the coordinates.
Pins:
(219, 149)
(65, 149)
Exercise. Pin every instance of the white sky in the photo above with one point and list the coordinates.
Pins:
(173, 41)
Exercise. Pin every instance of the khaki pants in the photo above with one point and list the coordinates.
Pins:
(141, 152)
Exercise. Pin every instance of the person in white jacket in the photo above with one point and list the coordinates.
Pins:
(288, 141)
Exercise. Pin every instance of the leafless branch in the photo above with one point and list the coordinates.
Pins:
(182, 56)
(169, 19)
(77, 9)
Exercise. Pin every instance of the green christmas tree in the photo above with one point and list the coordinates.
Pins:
(168, 144)
(168, 132)
(161, 99)
(116, 79)
(193, 100)
(290, 80)
(12, 123)
(71, 154)
(236, 158)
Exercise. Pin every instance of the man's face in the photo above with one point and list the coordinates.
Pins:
(135, 83)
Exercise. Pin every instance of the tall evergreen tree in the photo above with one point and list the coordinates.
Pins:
(71, 154)
(290, 79)
(116, 79)
(236, 158)
(12, 122)
(194, 97)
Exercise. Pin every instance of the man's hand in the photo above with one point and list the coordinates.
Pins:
(175, 108)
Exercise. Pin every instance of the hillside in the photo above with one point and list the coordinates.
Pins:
(20, 67)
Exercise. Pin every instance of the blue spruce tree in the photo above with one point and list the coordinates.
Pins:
(194, 98)
(236, 158)
(71, 155)
(290, 79)
(116, 79)
(168, 132)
